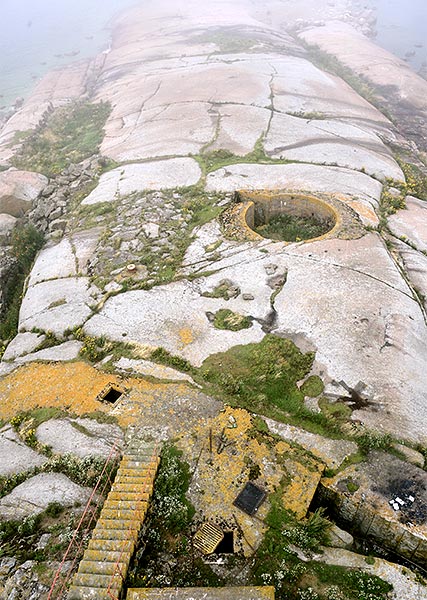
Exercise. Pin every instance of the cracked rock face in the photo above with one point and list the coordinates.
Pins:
(231, 85)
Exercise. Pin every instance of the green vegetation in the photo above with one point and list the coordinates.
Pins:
(84, 471)
(372, 440)
(164, 357)
(416, 180)
(259, 376)
(68, 135)
(20, 538)
(95, 348)
(312, 386)
(263, 379)
(167, 532)
(227, 319)
(212, 160)
(25, 243)
(291, 228)
(225, 290)
(310, 116)
(229, 41)
(276, 564)
(330, 63)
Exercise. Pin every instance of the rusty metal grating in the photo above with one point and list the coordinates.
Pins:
(207, 538)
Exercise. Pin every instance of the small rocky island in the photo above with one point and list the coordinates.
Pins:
(213, 282)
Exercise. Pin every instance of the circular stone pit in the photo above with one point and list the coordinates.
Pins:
(289, 217)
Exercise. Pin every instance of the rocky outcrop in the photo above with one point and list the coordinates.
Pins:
(384, 499)
(401, 89)
(19, 190)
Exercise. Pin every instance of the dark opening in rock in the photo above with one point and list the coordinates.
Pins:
(289, 217)
(112, 395)
(226, 546)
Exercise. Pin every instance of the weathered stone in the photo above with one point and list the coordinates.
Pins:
(146, 367)
(22, 344)
(18, 190)
(331, 142)
(7, 223)
(63, 352)
(35, 494)
(365, 496)
(338, 538)
(68, 436)
(56, 305)
(405, 583)
(15, 456)
(122, 181)
(411, 224)
(332, 452)
(343, 182)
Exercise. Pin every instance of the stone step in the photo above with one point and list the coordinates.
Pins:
(122, 524)
(125, 505)
(139, 482)
(124, 515)
(136, 472)
(118, 535)
(108, 556)
(135, 496)
(100, 567)
(91, 593)
(124, 488)
(107, 546)
(131, 462)
(142, 445)
(98, 581)
(131, 487)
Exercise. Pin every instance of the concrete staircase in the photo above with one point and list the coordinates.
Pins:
(104, 566)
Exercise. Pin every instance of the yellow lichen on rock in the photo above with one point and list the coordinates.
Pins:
(186, 336)
(73, 386)
(224, 461)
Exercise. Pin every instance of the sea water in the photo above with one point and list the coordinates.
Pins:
(402, 29)
(39, 35)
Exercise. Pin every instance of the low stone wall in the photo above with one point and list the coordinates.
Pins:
(361, 496)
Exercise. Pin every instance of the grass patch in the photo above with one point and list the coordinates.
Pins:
(416, 180)
(69, 135)
(227, 319)
(262, 378)
(26, 241)
(216, 159)
(229, 41)
(312, 386)
(257, 376)
(292, 228)
(164, 357)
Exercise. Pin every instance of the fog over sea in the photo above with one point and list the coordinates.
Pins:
(39, 35)
(402, 28)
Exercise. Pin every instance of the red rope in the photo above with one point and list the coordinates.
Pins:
(117, 569)
(114, 451)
